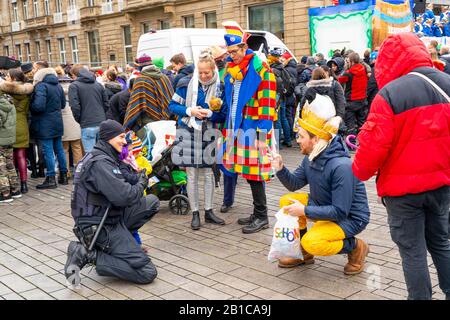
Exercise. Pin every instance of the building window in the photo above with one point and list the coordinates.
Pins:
(74, 45)
(267, 17)
(19, 52)
(189, 21)
(58, 6)
(28, 52)
(128, 44)
(90, 3)
(72, 4)
(211, 20)
(94, 48)
(62, 50)
(164, 24)
(6, 51)
(36, 8)
(146, 27)
(47, 7)
(25, 9)
(38, 50)
(49, 50)
(15, 12)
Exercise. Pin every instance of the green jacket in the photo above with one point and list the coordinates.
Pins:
(7, 122)
(21, 94)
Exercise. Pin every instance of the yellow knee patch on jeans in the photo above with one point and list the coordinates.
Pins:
(302, 198)
(325, 238)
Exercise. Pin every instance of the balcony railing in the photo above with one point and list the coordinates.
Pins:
(41, 21)
(15, 26)
(73, 14)
(58, 17)
(89, 12)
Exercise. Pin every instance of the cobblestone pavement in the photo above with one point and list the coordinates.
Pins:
(216, 262)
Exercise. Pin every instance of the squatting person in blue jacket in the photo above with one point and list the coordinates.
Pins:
(337, 202)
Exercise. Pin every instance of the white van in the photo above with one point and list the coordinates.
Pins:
(190, 41)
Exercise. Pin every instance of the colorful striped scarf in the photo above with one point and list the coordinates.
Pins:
(238, 71)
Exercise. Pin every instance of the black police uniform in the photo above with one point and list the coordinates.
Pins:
(118, 254)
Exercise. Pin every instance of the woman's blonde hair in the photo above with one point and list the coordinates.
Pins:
(59, 71)
(206, 57)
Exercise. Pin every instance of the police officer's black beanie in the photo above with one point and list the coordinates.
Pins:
(110, 129)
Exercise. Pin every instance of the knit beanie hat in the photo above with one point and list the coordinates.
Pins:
(110, 129)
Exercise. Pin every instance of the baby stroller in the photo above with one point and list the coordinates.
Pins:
(166, 181)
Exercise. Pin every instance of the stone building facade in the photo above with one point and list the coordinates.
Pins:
(102, 32)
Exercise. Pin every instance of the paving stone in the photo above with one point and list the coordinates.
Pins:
(45, 283)
(181, 294)
(234, 282)
(305, 293)
(229, 290)
(98, 297)
(171, 277)
(128, 290)
(201, 279)
(158, 287)
(268, 294)
(205, 292)
(16, 283)
(111, 294)
(265, 280)
(4, 290)
(195, 268)
(36, 294)
(12, 296)
(67, 294)
(364, 295)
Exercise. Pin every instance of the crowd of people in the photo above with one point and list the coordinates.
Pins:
(429, 25)
(97, 119)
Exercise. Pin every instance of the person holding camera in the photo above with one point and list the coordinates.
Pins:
(99, 187)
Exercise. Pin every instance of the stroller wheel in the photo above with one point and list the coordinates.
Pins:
(179, 204)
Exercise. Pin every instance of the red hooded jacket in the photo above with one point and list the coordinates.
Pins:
(355, 80)
(406, 138)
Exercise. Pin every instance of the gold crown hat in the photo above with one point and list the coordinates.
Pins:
(319, 118)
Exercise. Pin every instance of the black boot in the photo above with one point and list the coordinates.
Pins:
(246, 221)
(23, 187)
(77, 258)
(212, 218)
(63, 180)
(257, 225)
(195, 224)
(49, 183)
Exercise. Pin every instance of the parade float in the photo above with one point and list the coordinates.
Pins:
(359, 25)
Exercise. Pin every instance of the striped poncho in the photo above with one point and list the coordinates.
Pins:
(150, 97)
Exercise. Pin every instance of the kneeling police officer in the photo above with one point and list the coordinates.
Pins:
(100, 187)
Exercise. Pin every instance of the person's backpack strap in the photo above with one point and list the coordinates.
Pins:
(442, 92)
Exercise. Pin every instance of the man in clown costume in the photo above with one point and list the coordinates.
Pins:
(337, 202)
(250, 93)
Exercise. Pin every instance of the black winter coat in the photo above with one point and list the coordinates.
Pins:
(88, 100)
(118, 106)
(291, 67)
(184, 72)
(48, 100)
(104, 177)
(329, 87)
(112, 88)
(372, 88)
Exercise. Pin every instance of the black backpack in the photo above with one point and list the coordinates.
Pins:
(289, 83)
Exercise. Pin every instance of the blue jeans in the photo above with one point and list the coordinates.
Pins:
(419, 223)
(50, 147)
(229, 185)
(89, 137)
(284, 123)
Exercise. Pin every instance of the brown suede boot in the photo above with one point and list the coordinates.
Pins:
(356, 258)
(288, 262)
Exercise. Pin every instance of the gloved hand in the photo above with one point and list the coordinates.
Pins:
(143, 179)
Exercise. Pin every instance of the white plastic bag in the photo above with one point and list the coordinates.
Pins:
(286, 237)
(164, 133)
